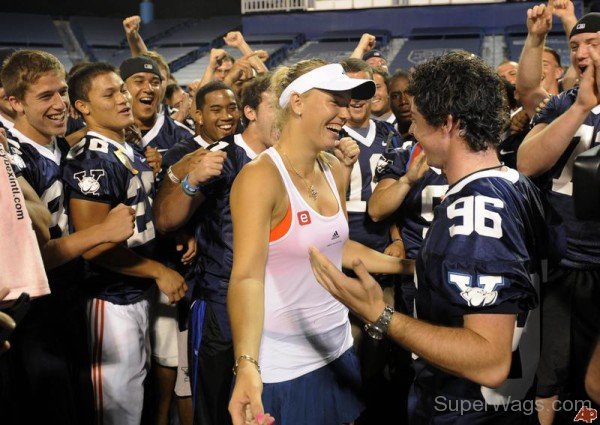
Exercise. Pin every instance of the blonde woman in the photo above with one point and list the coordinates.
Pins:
(292, 339)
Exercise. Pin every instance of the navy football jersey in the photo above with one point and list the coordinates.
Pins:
(99, 169)
(381, 139)
(42, 168)
(583, 237)
(482, 255)
(416, 212)
(165, 133)
(213, 225)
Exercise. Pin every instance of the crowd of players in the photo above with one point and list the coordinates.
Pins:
(127, 179)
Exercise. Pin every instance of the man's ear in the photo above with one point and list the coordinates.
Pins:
(249, 113)
(82, 107)
(449, 124)
(198, 117)
(16, 104)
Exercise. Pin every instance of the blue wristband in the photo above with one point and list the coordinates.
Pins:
(187, 188)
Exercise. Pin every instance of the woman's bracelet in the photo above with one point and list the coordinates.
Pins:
(245, 357)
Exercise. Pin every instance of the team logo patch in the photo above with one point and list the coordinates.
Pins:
(481, 293)
(479, 297)
(382, 163)
(304, 218)
(89, 183)
(17, 160)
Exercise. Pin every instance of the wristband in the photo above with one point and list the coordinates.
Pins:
(187, 188)
(172, 176)
(245, 357)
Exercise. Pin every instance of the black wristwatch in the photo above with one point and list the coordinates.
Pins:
(378, 329)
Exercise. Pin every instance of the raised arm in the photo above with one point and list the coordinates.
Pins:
(366, 43)
(565, 11)
(529, 75)
(131, 25)
(545, 143)
(236, 39)
(253, 199)
(213, 62)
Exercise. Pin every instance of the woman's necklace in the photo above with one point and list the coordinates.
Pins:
(312, 191)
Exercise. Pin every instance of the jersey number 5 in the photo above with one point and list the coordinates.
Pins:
(475, 216)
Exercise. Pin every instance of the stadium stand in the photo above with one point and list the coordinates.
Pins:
(425, 43)
(201, 32)
(28, 30)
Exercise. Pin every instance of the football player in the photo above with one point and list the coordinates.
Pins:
(103, 170)
(477, 332)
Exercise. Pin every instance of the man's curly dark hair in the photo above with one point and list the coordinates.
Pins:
(464, 86)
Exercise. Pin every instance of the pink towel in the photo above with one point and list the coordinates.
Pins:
(21, 266)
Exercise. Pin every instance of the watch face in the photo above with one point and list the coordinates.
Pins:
(373, 332)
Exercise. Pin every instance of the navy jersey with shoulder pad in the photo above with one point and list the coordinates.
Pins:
(482, 255)
(213, 226)
(101, 170)
(416, 212)
(583, 237)
(166, 133)
(181, 149)
(375, 150)
(42, 168)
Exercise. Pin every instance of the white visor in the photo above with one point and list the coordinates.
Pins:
(328, 77)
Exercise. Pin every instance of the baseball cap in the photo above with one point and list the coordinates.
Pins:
(138, 64)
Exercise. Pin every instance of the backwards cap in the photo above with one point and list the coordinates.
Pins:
(328, 77)
(589, 23)
(138, 64)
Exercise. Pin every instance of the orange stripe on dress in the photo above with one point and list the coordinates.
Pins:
(283, 226)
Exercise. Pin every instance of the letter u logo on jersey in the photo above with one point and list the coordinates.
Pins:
(304, 218)
(88, 181)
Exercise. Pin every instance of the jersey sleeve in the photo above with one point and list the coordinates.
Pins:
(483, 263)
(24, 166)
(178, 151)
(555, 107)
(391, 165)
(95, 179)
